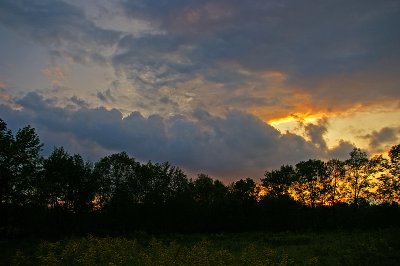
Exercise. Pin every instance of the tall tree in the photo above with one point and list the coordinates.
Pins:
(309, 185)
(207, 191)
(163, 182)
(389, 182)
(335, 181)
(278, 182)
(26, 165)
(67, 182)
(117, 180)
(6, 143)
(359, 173)
(245, 190)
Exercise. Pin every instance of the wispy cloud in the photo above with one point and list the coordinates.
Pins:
(59, 26)
(56, 74)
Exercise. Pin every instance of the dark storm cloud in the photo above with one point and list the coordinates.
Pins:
(302, 37)
(327, 48)
(61, 27)
(230, 147)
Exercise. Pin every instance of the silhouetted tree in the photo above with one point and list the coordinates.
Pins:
(67, 182)
(389, 182)
(6, 145)
(117, 181)
(6, 174)
(245, 190)
(334, 186)
(309, 185)
(212, 207)
(359, 173)
(205, 193)
(277, 182)
(163, 182)
(244, 202)
(120, 195)
(25, 164)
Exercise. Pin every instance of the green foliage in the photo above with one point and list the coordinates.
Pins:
(264, 255)
(379, 247)
(121, 251)
(19, 259)
(20, 165)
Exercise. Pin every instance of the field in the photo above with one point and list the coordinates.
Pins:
(372, 247)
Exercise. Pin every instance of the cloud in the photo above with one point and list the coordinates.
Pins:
(2, 85)
(106, 96)
(229, 147)
(324, 52)
(341, 151)
(3, 93)
(273, 33)
(59, 26)
(79, 103)
(193, 80)
(257, 57)
(381, 140)
(316, 132)
(55, 74)
(4, 96)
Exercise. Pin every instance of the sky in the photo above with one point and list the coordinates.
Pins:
(230, 88)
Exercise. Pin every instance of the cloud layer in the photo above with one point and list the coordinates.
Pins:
(228, 147)
(196, 82)
(225, 53)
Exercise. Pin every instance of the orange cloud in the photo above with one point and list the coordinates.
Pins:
(56, 74)
(6, 97)
(2, 85)
(333, 96)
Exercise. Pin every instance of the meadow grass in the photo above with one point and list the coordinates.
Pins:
(371, 247)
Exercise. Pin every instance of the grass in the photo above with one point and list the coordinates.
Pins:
(372, 247)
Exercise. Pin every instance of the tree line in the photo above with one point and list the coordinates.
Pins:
(64, 194)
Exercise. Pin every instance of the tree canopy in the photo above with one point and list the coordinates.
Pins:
(119, 193)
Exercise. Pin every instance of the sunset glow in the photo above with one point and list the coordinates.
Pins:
(229, 88)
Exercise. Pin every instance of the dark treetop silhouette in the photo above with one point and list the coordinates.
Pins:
(63, 194)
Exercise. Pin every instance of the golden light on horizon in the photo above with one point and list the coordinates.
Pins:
(298, 117)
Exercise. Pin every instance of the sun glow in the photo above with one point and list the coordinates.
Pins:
(295, 118)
